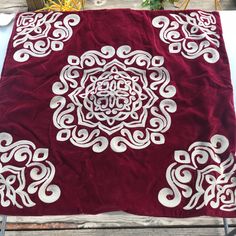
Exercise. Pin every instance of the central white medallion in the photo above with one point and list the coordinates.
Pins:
(117, 97)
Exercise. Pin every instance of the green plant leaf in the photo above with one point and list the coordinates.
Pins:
(156, 4)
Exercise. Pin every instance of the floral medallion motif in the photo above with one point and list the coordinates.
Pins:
(38, 34)
(25, 172)
(202, 176)
(191, 34)
(115, 98)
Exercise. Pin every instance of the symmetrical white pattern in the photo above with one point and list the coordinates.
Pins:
(192, 34)
(202, 177)
(119, 93)
(24, 171)
(39, 34)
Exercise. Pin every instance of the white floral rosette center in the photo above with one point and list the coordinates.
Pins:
(115, 98)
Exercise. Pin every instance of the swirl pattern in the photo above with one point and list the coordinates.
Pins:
(25, 172)
(39, 34)
(115, 98)
(202, 176)
(192, 34)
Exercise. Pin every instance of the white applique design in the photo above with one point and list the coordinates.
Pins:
(193, 35)
(114, 97)
(25, 172)
(38, 34)
(202, 176)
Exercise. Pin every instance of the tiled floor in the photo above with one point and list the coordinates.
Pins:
(210, 4)
(20, 5)
(193, 4)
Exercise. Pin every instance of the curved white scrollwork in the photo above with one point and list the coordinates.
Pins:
(191, 34)
(202, 176)
(38, 34)
(25, 171)
(121, 97)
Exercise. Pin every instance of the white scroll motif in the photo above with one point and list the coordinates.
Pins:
(25, 172)
(202, 176)
(115, 98)
(191, 34)
(38, 34)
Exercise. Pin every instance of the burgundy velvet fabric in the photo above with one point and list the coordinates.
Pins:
(117, 110)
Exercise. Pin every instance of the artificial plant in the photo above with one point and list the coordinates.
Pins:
(181, 4)
(63, 5)
(156, 4)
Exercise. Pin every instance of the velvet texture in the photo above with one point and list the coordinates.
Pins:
(117, 110)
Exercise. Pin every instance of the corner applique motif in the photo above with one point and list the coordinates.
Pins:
(202, 176)
(24, 173)
(37, 34)
(192, 35)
